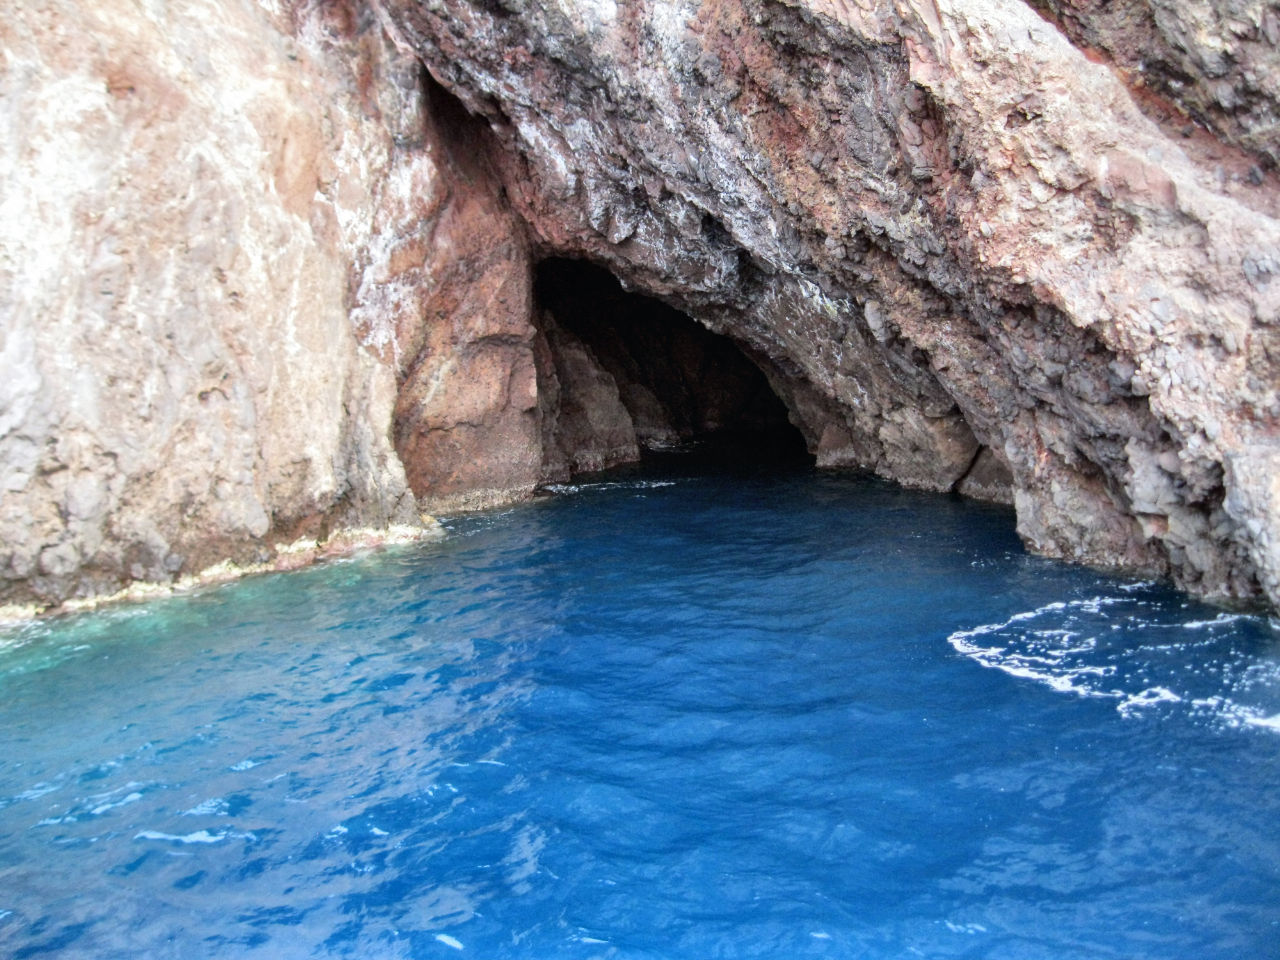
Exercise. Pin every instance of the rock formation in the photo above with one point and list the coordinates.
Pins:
(972, 245)
(267, 271)
(202, 204)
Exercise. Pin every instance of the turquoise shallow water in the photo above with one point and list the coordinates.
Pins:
(694, 717)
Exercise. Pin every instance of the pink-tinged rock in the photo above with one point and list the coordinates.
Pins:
(260, 279)
(191, 192)
(953, 234)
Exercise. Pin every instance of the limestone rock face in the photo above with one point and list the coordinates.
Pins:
(263, 277)
(467, 419)
(968, 242)
(195, 196)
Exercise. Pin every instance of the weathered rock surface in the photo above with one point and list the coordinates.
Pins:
(1214, 65)
(467, 422)
(261, 278)
(952, 237)
(191, 193)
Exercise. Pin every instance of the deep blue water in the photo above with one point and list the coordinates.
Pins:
(727, 716)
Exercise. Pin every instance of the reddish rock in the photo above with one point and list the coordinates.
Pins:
(941, 229)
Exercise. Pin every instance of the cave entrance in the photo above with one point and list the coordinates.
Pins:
(688, 392)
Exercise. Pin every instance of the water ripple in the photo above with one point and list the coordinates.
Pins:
(718, 717)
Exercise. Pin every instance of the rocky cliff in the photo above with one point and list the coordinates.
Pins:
(194, 195)
(268, 270)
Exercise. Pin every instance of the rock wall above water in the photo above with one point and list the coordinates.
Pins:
(199, 200)
(955, 234)
(262, 278)
(253, 265)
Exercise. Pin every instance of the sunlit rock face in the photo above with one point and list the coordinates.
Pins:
(1210, 69)
(267, 270)
(971, 246)
(204, 212)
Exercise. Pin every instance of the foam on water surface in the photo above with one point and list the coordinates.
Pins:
(1136, 649)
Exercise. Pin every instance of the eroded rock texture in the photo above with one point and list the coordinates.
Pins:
(262, 276)
(969, 243)
(198, 199)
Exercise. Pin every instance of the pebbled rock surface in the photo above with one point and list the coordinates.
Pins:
(1212, 66)
(969, 244)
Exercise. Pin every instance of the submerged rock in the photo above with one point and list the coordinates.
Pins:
(266, 270)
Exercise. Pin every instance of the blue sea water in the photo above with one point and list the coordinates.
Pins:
(718, 716)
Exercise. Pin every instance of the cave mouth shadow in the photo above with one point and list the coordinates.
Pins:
(695, 398)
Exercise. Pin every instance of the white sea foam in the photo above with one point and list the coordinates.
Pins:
(95, 806)
(1087, 648)
(1147, 698)
(1046, 655)
(1219, 620)
(1237, 714)
(1136, 586)
(35, 793)
(214, 806)
(102, 808)
(200, 836)
(568, 488)
(1257, 719)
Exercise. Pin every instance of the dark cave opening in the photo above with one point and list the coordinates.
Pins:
(688, 392)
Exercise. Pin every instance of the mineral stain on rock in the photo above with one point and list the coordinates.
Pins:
(272, 271)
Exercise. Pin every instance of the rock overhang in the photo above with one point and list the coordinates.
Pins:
(950, 232)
